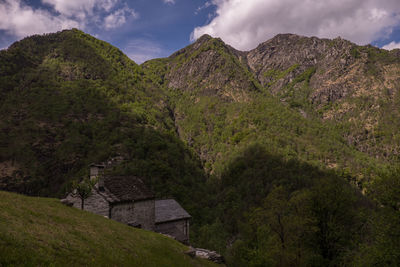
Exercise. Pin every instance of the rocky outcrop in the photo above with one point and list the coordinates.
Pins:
(209, 67)
(278, 61)
(326, 79)
(205, 254)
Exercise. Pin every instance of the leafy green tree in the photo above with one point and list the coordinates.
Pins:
(283, 226)
(213, 236)
(84, 189)
(383, 246)
(335, 210)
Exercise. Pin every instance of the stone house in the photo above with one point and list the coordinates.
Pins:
(126, 199)
(172, 219)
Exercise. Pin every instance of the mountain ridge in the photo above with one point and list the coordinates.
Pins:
(211, 71)
(295, 70)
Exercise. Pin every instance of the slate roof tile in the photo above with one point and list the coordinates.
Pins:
(169, 210)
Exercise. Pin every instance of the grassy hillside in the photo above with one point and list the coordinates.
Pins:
(43, 232)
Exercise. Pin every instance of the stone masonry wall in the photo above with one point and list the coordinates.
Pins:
(178, 229)
(123, 212)
(94, 203)
(144, 214)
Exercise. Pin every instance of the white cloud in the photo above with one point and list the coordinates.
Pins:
(107, 5)
(119, 17)
(171, 2)
(246, 23)
(72, 8)
(205, 6)
(391, 46)
(20, 20)
(141, 50)
(80, 8)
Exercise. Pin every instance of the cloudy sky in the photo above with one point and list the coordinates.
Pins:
(146, 29)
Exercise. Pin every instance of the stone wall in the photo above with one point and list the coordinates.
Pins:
(76, 202)
(123, 212)
(178, 229)
(144, 214)
(94, 203)
(133, 213)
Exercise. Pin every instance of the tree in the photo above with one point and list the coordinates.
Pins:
(383, 248)
(84, 189)
(283, 228)
(335, 210)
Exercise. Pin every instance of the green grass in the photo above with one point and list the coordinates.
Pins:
(43, 232)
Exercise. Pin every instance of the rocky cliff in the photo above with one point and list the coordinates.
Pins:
(333, 83)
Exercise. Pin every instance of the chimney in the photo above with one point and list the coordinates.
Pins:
(96, 172)
(100, 182)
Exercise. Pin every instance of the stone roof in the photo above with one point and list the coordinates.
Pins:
(125, 188)
(169, 210)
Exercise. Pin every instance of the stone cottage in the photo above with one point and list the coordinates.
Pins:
(126, 199)
(172, 219)
(122, 198)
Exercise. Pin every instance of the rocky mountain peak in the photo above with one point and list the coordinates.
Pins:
(210, 67)
(203, 43)
(279, 60)
(204, 38)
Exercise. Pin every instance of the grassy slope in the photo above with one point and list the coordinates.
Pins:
(42, 231)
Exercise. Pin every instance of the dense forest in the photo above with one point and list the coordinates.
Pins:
(285, 155)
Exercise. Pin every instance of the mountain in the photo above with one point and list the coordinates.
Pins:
(68, 100)
(223, 100)
(42, 231)
(269, 149)
(355, 87)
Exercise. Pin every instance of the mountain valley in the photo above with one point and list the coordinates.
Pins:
(285, 155)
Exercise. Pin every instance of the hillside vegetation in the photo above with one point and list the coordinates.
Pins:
(43, 232)
(268, 150)
(69, 100)
(303, 98)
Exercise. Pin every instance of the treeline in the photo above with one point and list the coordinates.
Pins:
(68, 100)
(268, 211)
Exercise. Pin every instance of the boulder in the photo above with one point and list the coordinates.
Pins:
(205, 254)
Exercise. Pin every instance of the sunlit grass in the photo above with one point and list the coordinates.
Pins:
(41, 231)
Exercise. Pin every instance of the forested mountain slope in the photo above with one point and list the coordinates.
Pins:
(258, 146)
(355, 87)
(67, 100)
(288, 94)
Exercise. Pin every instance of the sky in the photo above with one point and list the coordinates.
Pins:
(146, 29)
